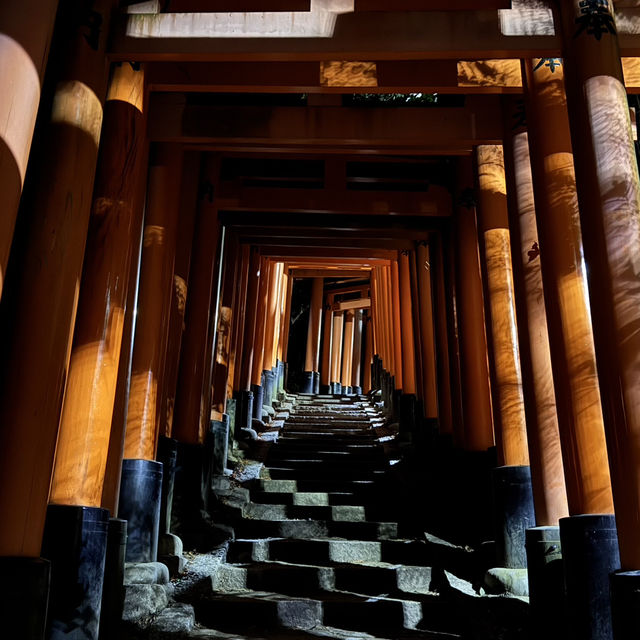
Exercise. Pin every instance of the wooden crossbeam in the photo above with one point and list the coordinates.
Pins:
(360, 303)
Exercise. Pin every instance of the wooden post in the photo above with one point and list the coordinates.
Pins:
(47, 278)
(476, 394)
(194, 356)
(325, 366)
(494, 224)
(356, 373)
(259, 336)
(347, 350)
(547, 472)
(609, 195)
(394, 298)
(565, 289)
(336, 346)
(315, 327)
(113, 239)
(250, 321)
(430, 387)
(154, 298)
(24, 50)
(368, 353)
(406, 325)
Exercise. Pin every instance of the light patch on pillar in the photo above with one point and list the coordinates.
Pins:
(337, 73)
(505, 340)
(76, 105)
(224, 331)
(619, 188)
(18, 112)
(140, 438)
(127, 85)
(180, 291)
(489, 73)
(153, 235)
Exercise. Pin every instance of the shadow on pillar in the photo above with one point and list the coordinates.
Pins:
(316, 382)
(513, 513)
(75, 542)
(590, 554)
(258, 400)
(243, 414)
(625, 605)
(268, 381)
(407, 413)
(139, 504)
(113, 590)
(24, 595)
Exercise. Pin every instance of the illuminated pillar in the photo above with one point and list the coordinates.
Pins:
(408, 398)
(347, 352)
(356, 367)
(570, 318)
(285, 326)
(24, 50)
(311, 364)
(45, 286)
(394, 308)
(139, 502)
(368, 353)
(258, 339)
(327, 340)
(547, 471)
(270, 338)
(476, 394)
(336, 351)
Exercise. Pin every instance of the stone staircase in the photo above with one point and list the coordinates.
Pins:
(324, 548)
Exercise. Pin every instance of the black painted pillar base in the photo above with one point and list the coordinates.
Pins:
(357, 390)
(336, 388)
(75, 542)
(590, 554)
(258, 398)
(407, 413)
(546, 582)
(325, 389)
(268, 384)
(167, 452)
(306, 384)
(625, 604)
(244, 413)
(139, 505)
(513, 514)
(24, 595)
(316, 382)
(394, 402)
(219, 434)
(113, 588)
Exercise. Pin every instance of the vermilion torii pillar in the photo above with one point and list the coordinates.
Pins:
(474, 365)
(347, 352)
(356, 367)
(368, 352)
(336, 351)
(513, 498)
(408, 398)
(609, 196)
(312, 364)
(141, 475)
(24, 50)
(549, 489)
(271, 333)
(327, 341)
(258, 339)
(47, 273)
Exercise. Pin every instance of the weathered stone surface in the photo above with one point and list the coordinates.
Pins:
(512, 581)
(146, 573)
(170, 545)
(174, 621)
(142, 601)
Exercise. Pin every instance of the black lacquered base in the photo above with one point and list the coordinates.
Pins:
(513, 514)
(24, 595)
(306, 384)
(139, 505)
(590, 554)
(625, 604)
(407, 412)
(219, 434)
(75, 542)
(113, 586)
(336, 388)
(268, 385)
(316, 382)
(357, 390)
(244, 412)
(167, 454)
(258, 400)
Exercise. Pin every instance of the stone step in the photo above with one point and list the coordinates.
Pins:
(317, 463)
(335, 513)
(322, 499)
(337, 473)
(308, 580)
(360, 487)
(305, 529)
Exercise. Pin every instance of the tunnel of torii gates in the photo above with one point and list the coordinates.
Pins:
(171, 175)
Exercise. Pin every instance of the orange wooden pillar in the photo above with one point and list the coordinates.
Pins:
(327, 341)
(113, 239)
(347, 352)
(191, 417)
(513, 497)
(271, 333)
(24, 50)
(312, 365)
(426, 328)
(547, 472)
(44, 282)
(180, 290)
(244, 398)
(368, 353)
(285, 321)
(336, 351)
(356, 366)
(396, 324)
(512, 445)
(477, 432)
(259, 339)
(407, 403)
(609, 197)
